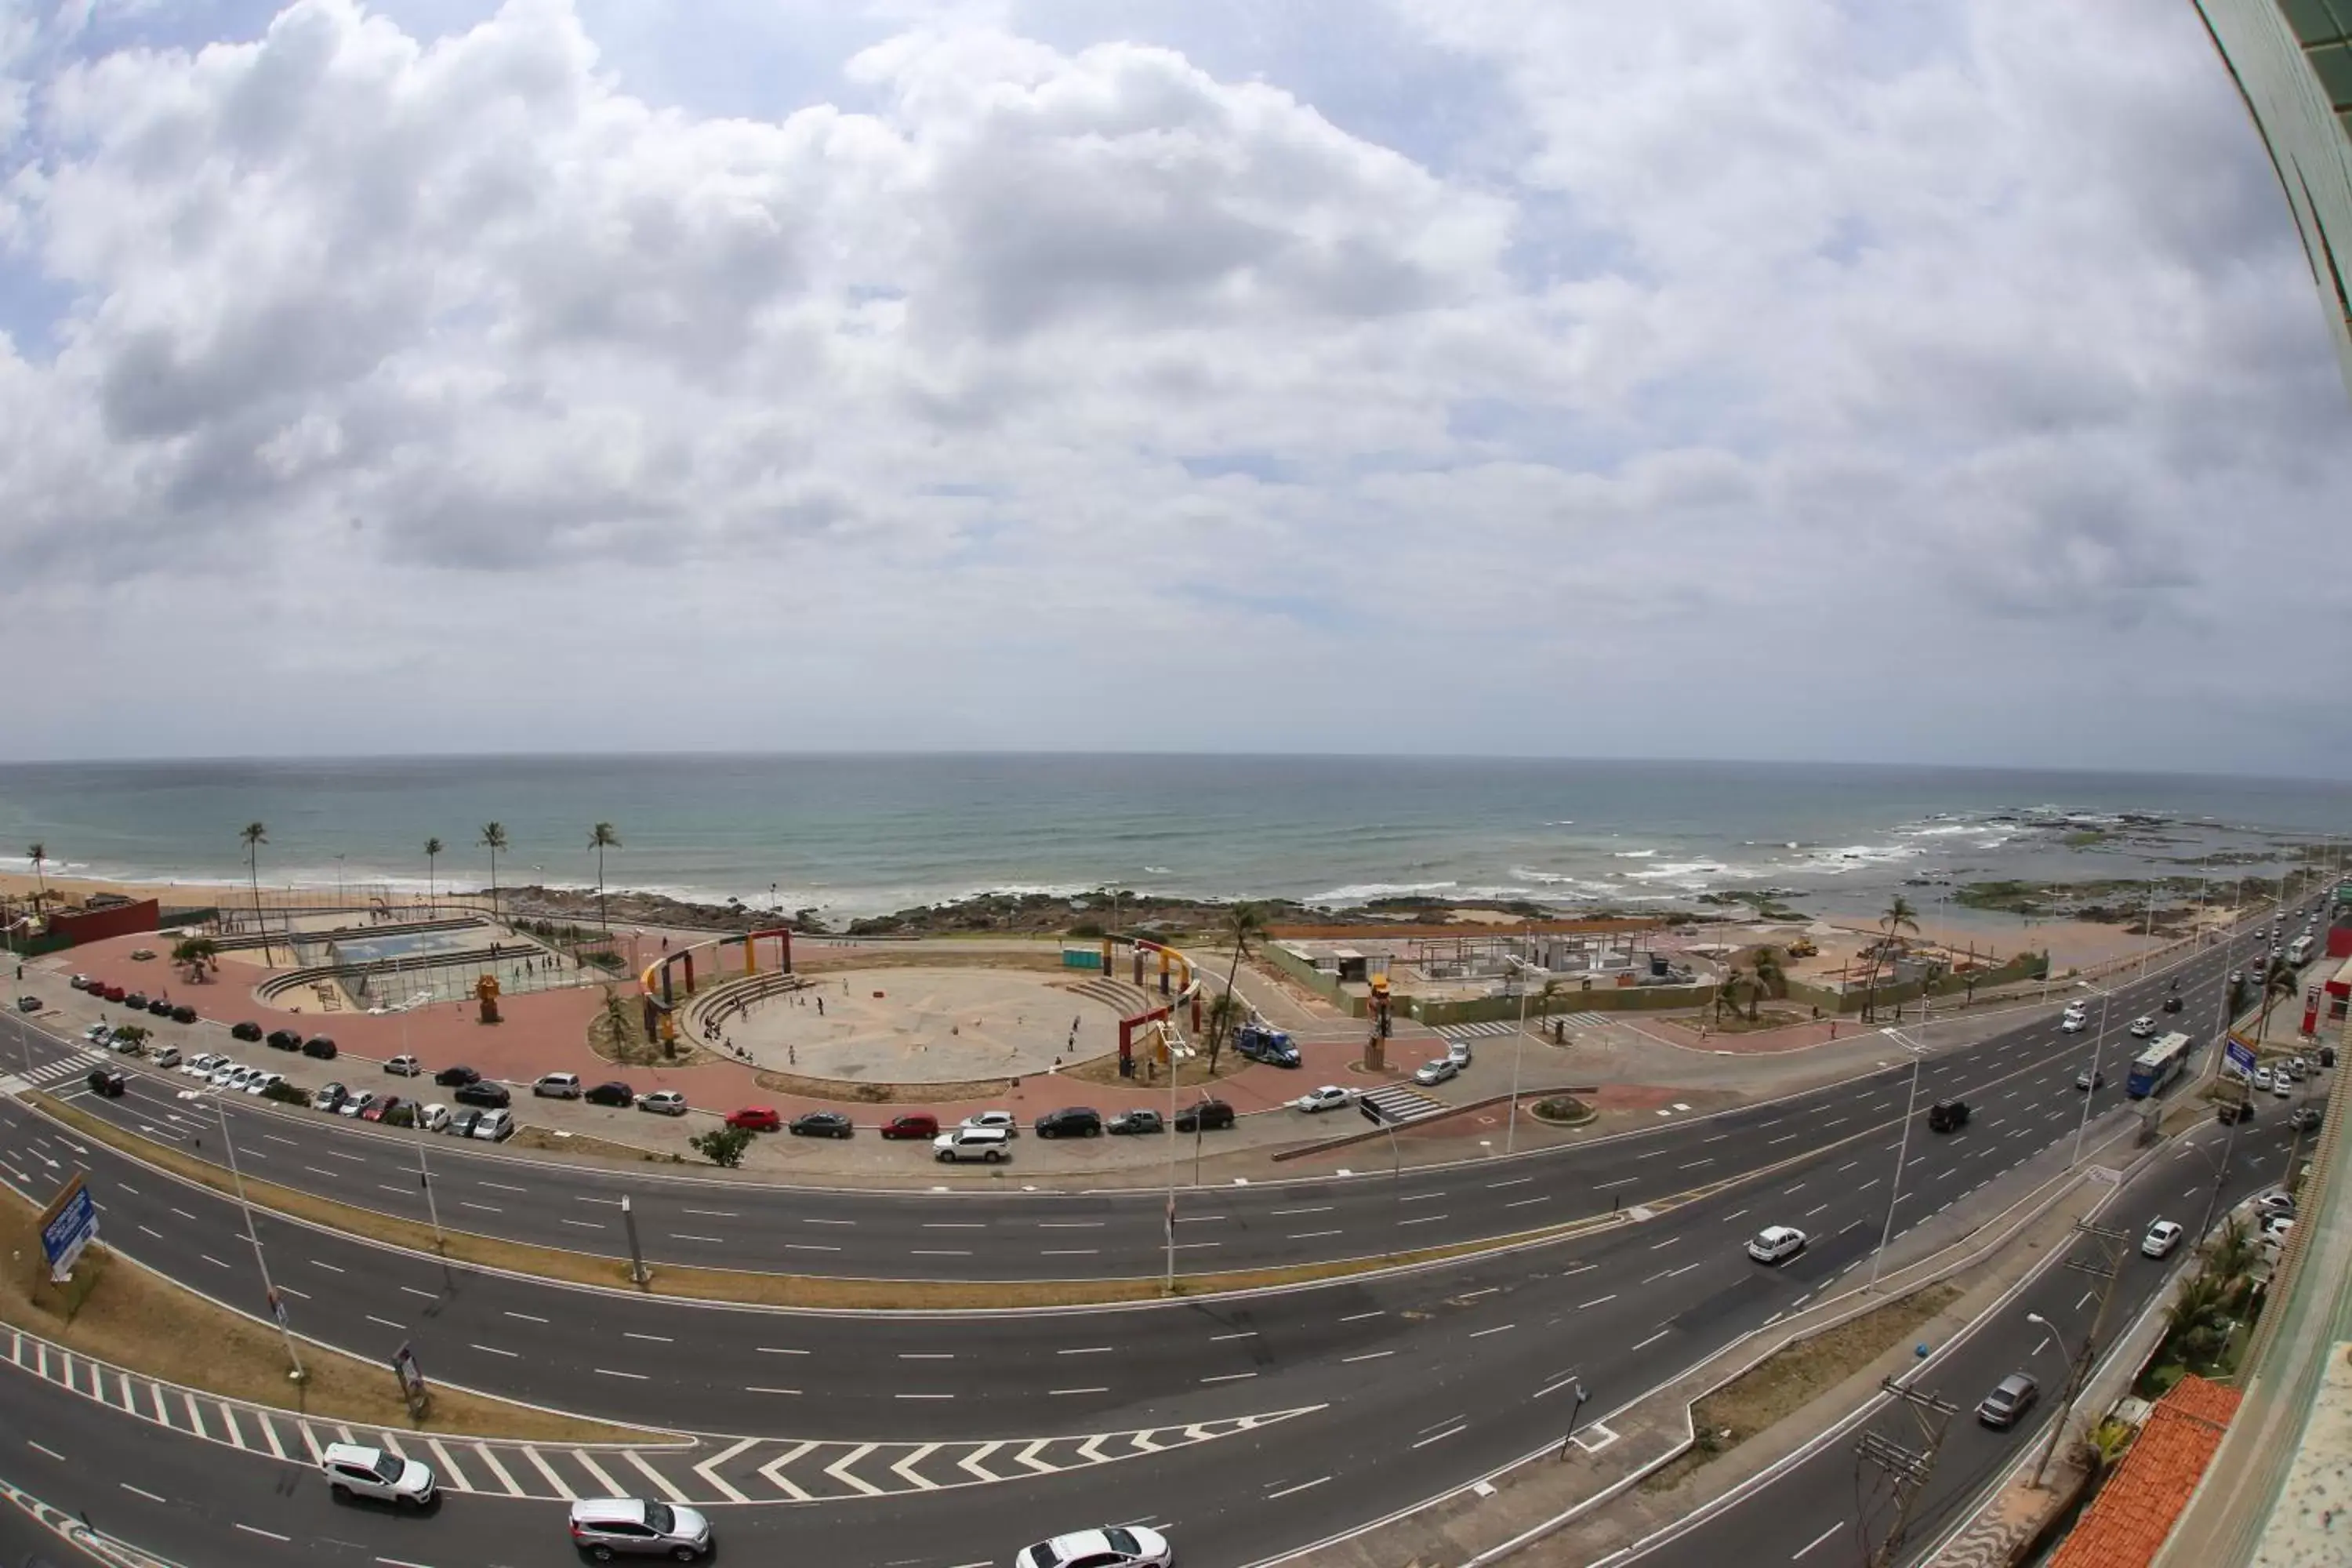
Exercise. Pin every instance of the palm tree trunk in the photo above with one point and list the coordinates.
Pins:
(601, 919)
(1217, 1035)
(253, 865)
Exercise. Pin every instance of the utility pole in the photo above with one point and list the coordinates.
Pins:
(1907, 1468)
(2110, 1245)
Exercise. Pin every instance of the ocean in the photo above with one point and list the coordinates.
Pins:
(868, 834)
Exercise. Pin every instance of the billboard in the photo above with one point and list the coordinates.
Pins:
(68, 1225)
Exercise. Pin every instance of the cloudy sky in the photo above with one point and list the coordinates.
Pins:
(1938, 381)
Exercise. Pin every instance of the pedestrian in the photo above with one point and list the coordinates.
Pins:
(793, 1054)
(820, 1006)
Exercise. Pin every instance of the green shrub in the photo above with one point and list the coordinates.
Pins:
(724, 1146)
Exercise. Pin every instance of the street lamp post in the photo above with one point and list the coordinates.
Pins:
(2098, 1049)
(339, 882)
(1518, 1054)
(1902, 1152)
(424, 1172)
(260, 1260)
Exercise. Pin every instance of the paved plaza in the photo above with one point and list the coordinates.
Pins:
(926, 1026)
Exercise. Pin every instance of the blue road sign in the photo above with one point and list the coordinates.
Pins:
(2240, 1056)
(68, 1226)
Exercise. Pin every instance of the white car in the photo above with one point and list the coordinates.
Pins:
(2262, 1078)
(986, 1143)
(494, 1126)
(2143, 1027)
(1331, 1097)
(991, 1121)
(404, 1067)
(1119, 1546)
(1436, 1072)
(433, 1118)
(2161, 1238)
(1776, 1243)
(2282, 1085)
(664, 1102)
(2278, 1228)
(1458, 1052)
(2274, 1203)
(355, 1471)
(200, 1065)
(225, 1075)
(169, 1056)
(260, 1081)
(98, 1034)
(2073, 1021)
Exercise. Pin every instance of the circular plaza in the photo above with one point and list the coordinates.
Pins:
(916, 1025)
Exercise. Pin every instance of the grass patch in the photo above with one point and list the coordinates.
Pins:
(850, 1090)
(738, 1286)
(1741, 1024)
(580, 1143)
(1787, 1381)
(616, 1037)
(119, 1312)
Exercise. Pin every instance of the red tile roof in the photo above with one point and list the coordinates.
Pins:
(2126, 1525)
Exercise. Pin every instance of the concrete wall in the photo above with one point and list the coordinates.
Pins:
(1600, 999)
(1835, 1004)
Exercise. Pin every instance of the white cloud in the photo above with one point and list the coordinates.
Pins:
(950, 401)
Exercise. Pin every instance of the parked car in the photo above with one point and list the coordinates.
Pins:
(433, 1118)
(1948, 1116)
(247, 1030)
(664, 1102)
(2228, 1111)
(28, 1002)
(1129, 1122)
(1117, 1546)
(2278, 1228)
(232, 1078)
(2011, 1397)
(80, 981)
(2282, 1085)
(1070, 1121)
(918, 1125)
(2142, 1027)
(613, 1093)
(356, 1104)
(817, 1124)
(1204, 1116)
(556, 1086)
(2161, 1238)
(404, 1067)
(283, 1041)
(454, 1075)
(261, 1082)
(493, 1096)
(607, 1528)
(2263, 1078)
(107, 1081)
(2297, 1068)
(1001, 1121)
(321, 1047)
(496, 1126)
(1436, 1072)
(169, 1056)
(353, 1472)
(1776, 1243)
(330, 1097)
(461, 1122)
(183, 1014)
(114, 994)
(381, 1107)
(759, 1119)
(1331, 1097)
(98, 1034)
(1458, 1052)
(987, 1144)
(2274, 1203)
(159, 1008)
(136, 1001)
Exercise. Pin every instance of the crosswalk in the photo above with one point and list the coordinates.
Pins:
(44, 1074)
(1400, 1105)
(695, 1470)
(1506, 1026)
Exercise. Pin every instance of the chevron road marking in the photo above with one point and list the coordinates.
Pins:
(839, 1469)
(490, 1457)
(971, 1463)
(1090, 1450)
(611, 1487)
(566, 1493)
(448, 1463)
(774, 1471)
(709, 1469)
(906, 1467)
(1142, 1441)
(1028, 1456)
(669, 1487)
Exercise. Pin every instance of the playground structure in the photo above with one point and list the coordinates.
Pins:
(657, 982)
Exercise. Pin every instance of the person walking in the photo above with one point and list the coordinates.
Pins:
(820, 1006)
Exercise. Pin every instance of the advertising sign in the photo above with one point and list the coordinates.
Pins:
(2241, 1056)
(68, 1225)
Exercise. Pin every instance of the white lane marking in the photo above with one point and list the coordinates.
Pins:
(1368, 1355)
(526, 1317)
(467, 1204)
(631, 1334)
(1293, 1492)
(778, 1349)
(1514, 1182)
(1309, 1235)
(257, 1529)
(140, 1491)
(52, 1453)
(1229, 1377)
(1078, 1391)
(387, 1322)
(1319, 1208)
(414, 1291)
(1441, 1437)
(1503, 1329)
(608, 1371)
(1086, 1350)
(1654, 1339)
(1816, 1541)
(493, 1350)
(1596, 1301)
(688, 1236)
(1359, 1317)
(1522, 1202)
(504, 1188)
(713, 1214)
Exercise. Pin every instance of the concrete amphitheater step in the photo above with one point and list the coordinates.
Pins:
(1128, 999)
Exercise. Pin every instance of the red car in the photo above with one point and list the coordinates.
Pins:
(915, 1126)
(377, 1111)
(756, 1119)
(114, 993)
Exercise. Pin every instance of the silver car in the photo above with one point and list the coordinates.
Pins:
(607, 1528)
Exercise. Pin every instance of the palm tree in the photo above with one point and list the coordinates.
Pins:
(2281, 981)
(194, 954)
(431, 896)
(1899, 917)
(1222, 1011)
(1545, 998)
(494, 838)
(2233, 1252)
(1768, 975)
(1244, 923)
(601, 837)
(38, 854)
(2196, 1322)
(1727, 991)
(253, 837)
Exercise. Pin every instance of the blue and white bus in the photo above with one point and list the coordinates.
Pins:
(2158, 1066)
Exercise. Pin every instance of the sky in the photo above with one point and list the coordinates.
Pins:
(1931, 383)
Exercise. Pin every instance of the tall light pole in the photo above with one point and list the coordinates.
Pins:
(1518, 1053)
(339, 882)
(1902, 1151)
(260, 1260)
(2099, 1044)
(424, 1172)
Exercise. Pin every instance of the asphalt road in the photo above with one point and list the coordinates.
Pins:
(973, 1229)
(1833, 1511)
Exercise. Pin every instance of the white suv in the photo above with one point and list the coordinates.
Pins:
(987, 1143)
(2073, 1021)
(2143, 1026)
(353, 1471)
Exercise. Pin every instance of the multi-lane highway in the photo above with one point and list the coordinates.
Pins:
(1391, 1388)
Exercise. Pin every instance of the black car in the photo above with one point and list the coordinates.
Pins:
(456, 1074)
(461, 1124)
(183, 1014)
(493, 1096)
(247, 1031)
(613, 1093)
(2172, 1004)
(136, 1001)
(1948, 1116)
(107, 1081)
(1071, 1122)
(28, 1003)
(279, 1039)
(1128, 1121)
(820, 1124)
(161, 1006)
(321, 1047)
(1205, 1117)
